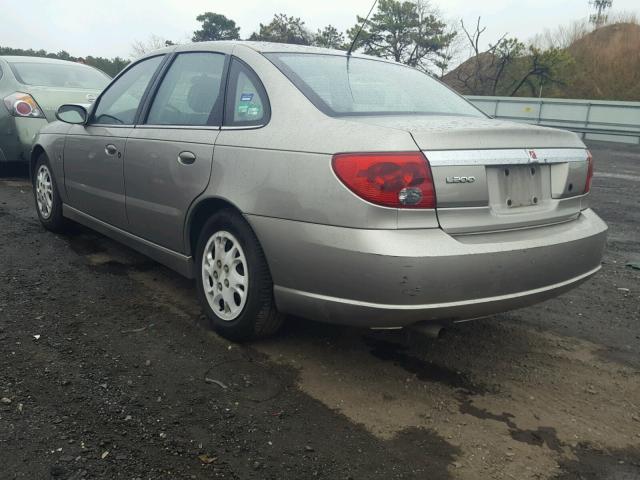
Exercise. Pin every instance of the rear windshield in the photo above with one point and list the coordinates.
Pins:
(339, 85)
(59, 75)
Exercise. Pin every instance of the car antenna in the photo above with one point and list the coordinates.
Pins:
(355, 39)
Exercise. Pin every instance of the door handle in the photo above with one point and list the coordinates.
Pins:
(110, 149)
(186, 158)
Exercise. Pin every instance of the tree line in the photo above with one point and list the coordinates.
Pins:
(416, 34)
(407, 31)
(410, 32)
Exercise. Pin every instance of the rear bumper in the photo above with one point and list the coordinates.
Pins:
(389, 278)
(18, 137)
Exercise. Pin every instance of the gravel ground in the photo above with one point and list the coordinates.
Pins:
(108, 373)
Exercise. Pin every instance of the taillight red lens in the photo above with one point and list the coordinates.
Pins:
(399, 180)
(587, 186)
(23, 108)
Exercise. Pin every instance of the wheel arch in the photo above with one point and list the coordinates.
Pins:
(36, 151)
(198, 215)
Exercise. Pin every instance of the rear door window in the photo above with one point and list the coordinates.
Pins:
(119, 104)
(247, 103)
(190, 92)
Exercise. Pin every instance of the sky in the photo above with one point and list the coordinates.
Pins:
(109, 27)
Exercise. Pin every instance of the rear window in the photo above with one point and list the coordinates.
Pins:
(59, 75)
(339, 85)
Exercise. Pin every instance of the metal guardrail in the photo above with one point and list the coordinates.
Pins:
(593, 119)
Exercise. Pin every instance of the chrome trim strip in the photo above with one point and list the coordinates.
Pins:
(189, 127)
(514, 156)
(432, 306)
(572, 217)
(146, 126)
(110, 125)
(242, 127)
(560, 155)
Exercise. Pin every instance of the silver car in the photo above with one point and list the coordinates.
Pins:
(302, 181)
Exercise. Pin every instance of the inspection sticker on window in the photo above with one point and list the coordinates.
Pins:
(246, 97)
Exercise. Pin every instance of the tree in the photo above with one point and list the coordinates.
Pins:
(215, 27)
(63, 55)
(600, 17)
(544, 68)
(283, 29)
(405, 31)
(329, 37)
(154, 42)
(487, 72)
(505, 53)
(111, 66)
(562, 36)
(450, 52)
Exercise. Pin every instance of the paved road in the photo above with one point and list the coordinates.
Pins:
(110, 373)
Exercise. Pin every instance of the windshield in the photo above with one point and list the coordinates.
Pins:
(339, 86)
(59, 75)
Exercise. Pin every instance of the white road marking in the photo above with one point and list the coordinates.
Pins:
(621, 176)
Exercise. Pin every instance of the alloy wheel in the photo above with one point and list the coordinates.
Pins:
(44, 191)
(225, 275)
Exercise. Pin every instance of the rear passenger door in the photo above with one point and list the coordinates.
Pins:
(169, 154)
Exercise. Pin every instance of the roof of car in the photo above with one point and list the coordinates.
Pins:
(264, 47)
(24, 59)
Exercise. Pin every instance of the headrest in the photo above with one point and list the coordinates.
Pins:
(202, 93)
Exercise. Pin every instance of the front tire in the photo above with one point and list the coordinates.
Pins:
(47, 198)
(233, 279)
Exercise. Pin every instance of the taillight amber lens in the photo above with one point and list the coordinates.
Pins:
(398, 180)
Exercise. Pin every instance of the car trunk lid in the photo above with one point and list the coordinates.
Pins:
(492, 175)
(499, 189)
(50, 98)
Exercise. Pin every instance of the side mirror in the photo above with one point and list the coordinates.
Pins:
(75, 114)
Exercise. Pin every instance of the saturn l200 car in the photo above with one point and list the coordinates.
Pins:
(310, 182)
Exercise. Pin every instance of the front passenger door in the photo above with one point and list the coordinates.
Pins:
(94, 153)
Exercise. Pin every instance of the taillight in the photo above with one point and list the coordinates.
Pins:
(587, 185)
(23, 105)
(399, 180)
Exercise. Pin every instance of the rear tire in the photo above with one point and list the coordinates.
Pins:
(47, 198)
(233, 279)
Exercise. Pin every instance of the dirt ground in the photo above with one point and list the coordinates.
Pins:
(108, 372)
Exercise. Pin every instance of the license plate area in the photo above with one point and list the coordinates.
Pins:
(515, 186)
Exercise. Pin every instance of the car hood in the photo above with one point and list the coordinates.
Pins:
(442, 132)
(50, 98)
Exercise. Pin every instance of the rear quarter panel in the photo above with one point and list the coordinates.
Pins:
(284, 169)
